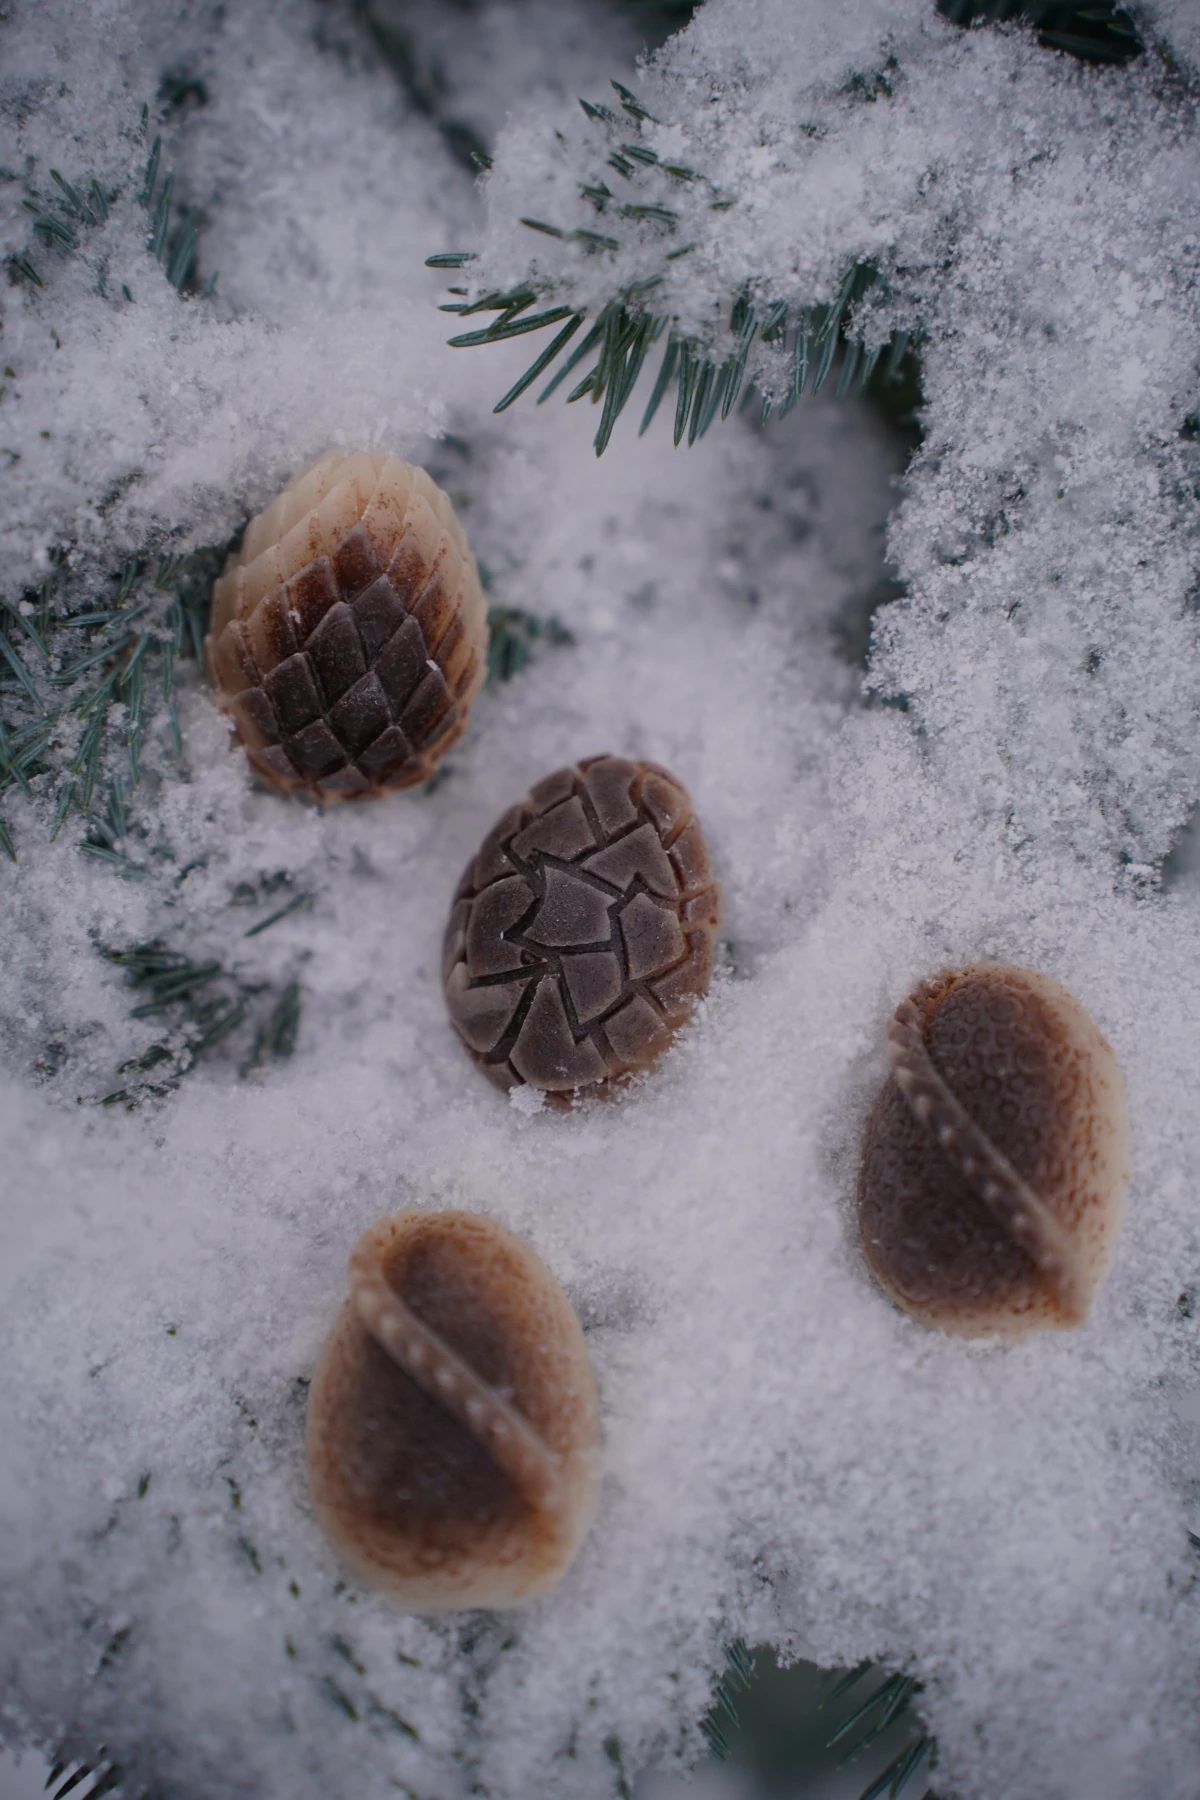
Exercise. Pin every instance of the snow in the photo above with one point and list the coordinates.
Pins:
(787, 1458)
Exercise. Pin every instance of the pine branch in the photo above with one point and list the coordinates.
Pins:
(737, 1677)
(888, 1706)
(68, 1776)
(201, 1004)
(887, 1710)
(64, 219)
(805, 341)
(81, 683)
(1096, 32)
(421, 82)
(512, 638)
(775, 345)
(82, 686)
(796, 343)
(612, 1749)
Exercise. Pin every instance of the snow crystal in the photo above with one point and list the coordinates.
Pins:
(787, 1458)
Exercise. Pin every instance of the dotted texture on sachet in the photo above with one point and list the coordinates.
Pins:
(413, 1497)
(1036, 1078)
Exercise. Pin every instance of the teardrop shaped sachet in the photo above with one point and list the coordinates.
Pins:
(453, 1425)
(995, 1162)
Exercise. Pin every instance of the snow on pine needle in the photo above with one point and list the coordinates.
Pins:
(770, 187)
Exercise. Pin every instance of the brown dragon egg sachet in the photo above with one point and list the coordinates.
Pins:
(349, 634)
(582, 933)
(453, 1427)
(995, 1163)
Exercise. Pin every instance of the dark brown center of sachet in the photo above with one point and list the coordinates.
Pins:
(928, 1229)
(410, 1470)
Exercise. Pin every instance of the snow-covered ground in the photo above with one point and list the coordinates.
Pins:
(787, 1458)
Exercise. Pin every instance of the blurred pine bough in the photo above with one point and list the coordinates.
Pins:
(810, 344)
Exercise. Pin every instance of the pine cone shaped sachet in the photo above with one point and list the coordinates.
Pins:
(349, 635)
(582, 933)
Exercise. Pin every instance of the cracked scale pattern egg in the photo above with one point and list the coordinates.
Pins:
(349, 633)
(581, 934)
(996, 1159)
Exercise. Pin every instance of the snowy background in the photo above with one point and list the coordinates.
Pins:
(787, 1458)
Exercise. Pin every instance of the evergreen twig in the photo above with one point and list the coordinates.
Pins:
(512, 636)
(708, 378)
(68, 1775)
(200, 1003)
(1097, 31)
(63, 219)
(799, 342)
(707, 382)
(81, 687)
(737, 1676)
(889, 1705)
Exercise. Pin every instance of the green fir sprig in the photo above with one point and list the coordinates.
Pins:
(794, 347)
(513, 638)
(200, 1003)
(803, 344)
(68, 1775)
(736, 1677)
(889, 1705)
(84, 681)
(1097, 31)
(64, 218)
(886, 1717)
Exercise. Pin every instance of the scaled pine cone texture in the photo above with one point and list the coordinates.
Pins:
(995, 1161)
(349, 635)
(582, 933)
